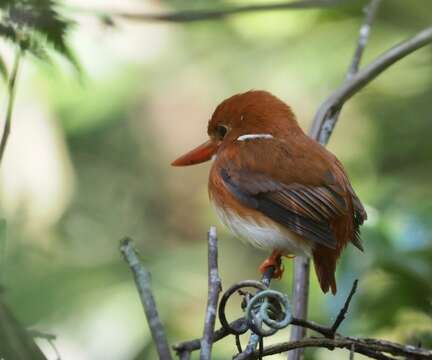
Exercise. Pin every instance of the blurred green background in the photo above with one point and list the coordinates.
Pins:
(88, 163)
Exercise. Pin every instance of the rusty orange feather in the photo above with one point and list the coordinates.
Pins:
(277, 187)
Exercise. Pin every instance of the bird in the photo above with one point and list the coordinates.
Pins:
(277, 188)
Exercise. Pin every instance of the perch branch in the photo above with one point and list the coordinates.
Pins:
(143, 284)
(302, 264)
(10, 103)
(186, 16)
(374, 348)
(214, 288)
(300, 300)
(335, 101)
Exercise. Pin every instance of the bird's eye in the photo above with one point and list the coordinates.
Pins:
(221, 131)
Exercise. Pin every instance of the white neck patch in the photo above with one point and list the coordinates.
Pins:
(254, 136)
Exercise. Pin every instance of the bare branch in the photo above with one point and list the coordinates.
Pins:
(344, 310)
(373, 348)
(218, 14)
(143, 284)
(328, 332)
(214, 288)
(10, 103)
(336, 100)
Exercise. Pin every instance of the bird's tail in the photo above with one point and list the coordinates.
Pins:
(325, 268)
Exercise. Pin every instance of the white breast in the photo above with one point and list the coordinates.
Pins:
(266, 235)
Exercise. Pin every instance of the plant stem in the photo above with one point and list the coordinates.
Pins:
(10, 104)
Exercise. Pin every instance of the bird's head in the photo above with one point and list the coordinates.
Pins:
(253, 114)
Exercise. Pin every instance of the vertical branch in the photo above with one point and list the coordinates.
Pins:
(214, 288)
(10, 103)
(302, 265)
(300, 301)
(143, 284)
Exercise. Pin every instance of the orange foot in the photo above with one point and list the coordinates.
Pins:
(274, 260)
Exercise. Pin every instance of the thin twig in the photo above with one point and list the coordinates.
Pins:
(302, 264)
(312, 325)
(10, 103)
(143, 284)
(186, 16)
(344, 310)
(331, 331)
(214, 288)
(335, 101)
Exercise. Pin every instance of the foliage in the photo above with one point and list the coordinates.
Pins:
(34, 26)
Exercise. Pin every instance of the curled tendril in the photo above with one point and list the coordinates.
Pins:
(267, 311)
(271, 308)
(241, 327)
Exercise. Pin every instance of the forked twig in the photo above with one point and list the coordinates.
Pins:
(365, 30)
(335, 101)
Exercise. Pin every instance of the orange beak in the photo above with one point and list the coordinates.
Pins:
(202, 153)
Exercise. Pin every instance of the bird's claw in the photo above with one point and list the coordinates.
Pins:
(275, 261)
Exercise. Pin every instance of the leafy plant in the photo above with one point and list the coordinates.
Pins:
(34, 26)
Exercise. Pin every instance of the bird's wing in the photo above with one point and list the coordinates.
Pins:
(304, 200)
(305, 210)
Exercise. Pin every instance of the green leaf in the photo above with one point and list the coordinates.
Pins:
(34, 25)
